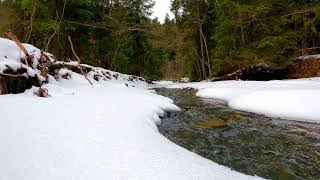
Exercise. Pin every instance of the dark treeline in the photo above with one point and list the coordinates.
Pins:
(225, 35)
(207, 37)
(109, 33)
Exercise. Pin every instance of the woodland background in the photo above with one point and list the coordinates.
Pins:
(206, 38)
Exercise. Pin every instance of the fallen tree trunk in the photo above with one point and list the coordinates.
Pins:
(10, 84)
(258, 72)
(16, 76)
(300, 68)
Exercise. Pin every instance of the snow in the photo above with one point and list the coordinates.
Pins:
(287, 99)
(315, 56)
(105, 75)
(10, 51)
(107, 130)
(10, 57)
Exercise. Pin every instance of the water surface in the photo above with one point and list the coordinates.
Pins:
(248, 143)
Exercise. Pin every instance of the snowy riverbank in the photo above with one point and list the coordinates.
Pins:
(288, 99)
(102, 131)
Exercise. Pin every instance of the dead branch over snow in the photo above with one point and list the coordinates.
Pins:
(79, 60)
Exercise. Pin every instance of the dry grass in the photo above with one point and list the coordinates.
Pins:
(305, 68)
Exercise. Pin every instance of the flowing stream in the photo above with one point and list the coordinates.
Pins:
(248, 143)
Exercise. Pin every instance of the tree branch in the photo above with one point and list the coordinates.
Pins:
(79, 61)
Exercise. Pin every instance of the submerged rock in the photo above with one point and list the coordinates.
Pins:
(232, 117)
(183, 134)
(210, 124)
(230, 133)
(287, 174)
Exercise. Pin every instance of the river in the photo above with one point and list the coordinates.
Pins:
(249, 143)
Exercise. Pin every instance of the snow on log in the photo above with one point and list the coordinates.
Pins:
(18, 75)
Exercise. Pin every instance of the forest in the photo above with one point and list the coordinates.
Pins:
(206, 38)
(103, 89)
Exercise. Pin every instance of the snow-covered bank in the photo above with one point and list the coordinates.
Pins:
(106, 130)
(288, 99)
(103, 132)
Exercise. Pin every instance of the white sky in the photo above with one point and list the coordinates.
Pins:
(161, 8)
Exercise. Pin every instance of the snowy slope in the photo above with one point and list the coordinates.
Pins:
(288, 99)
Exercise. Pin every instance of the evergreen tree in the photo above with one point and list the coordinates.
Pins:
(205, 39)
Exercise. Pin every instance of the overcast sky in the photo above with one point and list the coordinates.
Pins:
(161, 8)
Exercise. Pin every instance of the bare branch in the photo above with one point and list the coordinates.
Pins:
(56, 29)
(79, 60)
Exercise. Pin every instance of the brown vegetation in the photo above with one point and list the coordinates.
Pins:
(305, 68)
